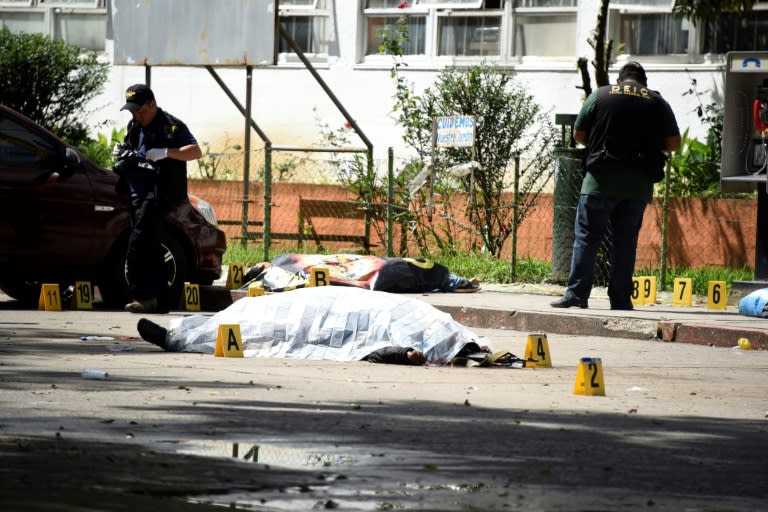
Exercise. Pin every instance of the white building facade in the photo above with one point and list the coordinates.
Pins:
(539, 40)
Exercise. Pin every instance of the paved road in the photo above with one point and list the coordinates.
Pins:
(682, 426)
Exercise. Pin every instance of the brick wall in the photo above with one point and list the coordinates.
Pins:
(717, 232)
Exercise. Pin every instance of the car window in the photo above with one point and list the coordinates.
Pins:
(20, 146)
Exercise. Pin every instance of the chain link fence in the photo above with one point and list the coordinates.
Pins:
(310, 213)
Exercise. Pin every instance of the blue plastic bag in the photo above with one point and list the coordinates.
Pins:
(755, 303)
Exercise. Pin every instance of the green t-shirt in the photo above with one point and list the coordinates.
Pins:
(623, 116)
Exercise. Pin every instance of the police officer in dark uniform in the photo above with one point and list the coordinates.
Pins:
(152, 164)
(626, 129)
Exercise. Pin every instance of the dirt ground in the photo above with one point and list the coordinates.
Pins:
(681, 427)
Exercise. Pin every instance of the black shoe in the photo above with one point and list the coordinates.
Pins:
(142, 306)
(152, 333)
(623, 307)
(569, 302)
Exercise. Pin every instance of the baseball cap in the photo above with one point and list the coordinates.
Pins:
(137, 95)
(634, 71)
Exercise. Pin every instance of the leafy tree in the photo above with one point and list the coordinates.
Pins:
(511, 124)
(707, 10)
(49, 81)
(511, 127)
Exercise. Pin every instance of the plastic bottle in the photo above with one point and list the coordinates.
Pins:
(96, 338)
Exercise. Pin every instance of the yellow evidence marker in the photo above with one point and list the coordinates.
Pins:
(83, 296)
(50, 298)
(191, 297)
(717, 295)
(682, 291)
(229, 343)
(255, 290)
(637, 297)
(589, 377)
(319, 276)
(538, 348)
(643, 290)
(235, 276)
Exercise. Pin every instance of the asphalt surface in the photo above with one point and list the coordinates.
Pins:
(682, 425)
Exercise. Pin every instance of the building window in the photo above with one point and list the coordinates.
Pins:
(648, 27)
(81, 23)
(469, 35)
(732, 32)
(415, 33)
(438, 27)
(544, 28)
(654, 34)
(307, 21)
(384, 16)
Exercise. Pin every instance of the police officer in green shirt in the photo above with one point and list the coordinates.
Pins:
(626, 128)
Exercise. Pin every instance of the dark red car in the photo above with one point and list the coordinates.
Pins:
(63, 221)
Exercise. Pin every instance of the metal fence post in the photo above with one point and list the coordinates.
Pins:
(390, 198)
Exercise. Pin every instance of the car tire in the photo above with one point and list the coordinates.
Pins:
(114, 286)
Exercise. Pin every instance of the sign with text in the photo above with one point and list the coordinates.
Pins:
(454, 131)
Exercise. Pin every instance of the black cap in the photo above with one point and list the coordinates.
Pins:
(632, 70)
(137, 95)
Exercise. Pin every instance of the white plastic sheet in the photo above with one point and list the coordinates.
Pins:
(327, 322)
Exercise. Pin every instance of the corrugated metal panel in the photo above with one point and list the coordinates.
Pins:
(194, 32)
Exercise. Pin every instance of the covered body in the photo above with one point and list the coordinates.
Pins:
(327, 322)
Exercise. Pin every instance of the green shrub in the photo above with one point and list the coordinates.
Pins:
(100, 150)
(49, 81)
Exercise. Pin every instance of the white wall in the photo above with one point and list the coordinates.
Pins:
(284, 96)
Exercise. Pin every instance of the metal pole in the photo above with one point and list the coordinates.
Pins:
(267, 199)
(516, 193)
(664, 231)
(247, 154)
(390, 198)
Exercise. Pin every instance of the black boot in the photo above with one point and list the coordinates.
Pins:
(153, 333)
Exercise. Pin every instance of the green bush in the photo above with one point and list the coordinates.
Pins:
(100, 150)
(49, 81)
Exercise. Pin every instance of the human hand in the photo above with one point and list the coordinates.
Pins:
(124, 151)
(156, 154)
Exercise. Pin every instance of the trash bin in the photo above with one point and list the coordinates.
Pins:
(568, 176)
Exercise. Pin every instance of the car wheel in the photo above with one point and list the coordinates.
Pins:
(114, 286)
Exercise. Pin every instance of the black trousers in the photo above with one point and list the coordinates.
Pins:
(147, 276)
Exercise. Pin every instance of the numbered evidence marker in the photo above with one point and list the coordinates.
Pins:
(682, 291)
(717, 296)
(255, 290)
(228, 341)
(643, 290)
(319, 276)
(538, 348)
(589, 377)
(83, 296)
(235, 276)
(50, 298)
(191, 297)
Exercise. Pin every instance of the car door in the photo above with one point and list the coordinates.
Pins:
(45, 212)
